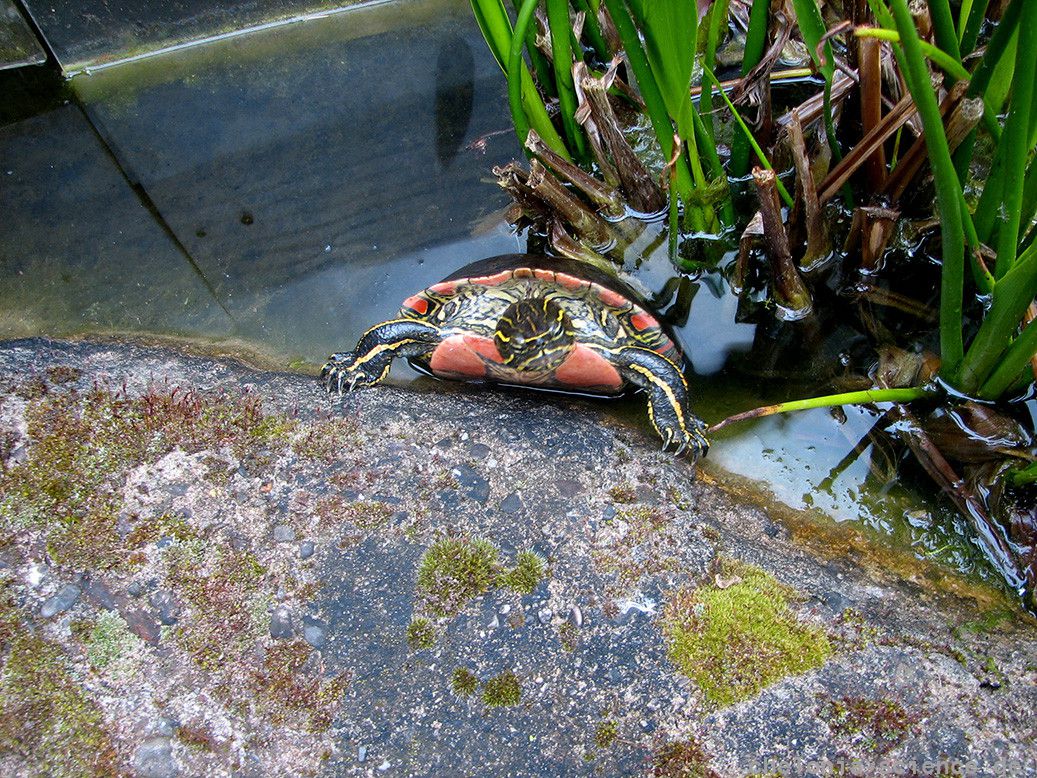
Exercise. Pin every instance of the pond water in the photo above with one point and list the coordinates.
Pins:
(271, 196)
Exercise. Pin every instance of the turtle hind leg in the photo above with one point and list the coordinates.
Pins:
(369, 363)
(668, 405)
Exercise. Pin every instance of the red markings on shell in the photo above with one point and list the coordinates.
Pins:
(464, 356)
(587, 369)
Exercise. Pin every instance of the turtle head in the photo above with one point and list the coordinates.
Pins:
(534, 335)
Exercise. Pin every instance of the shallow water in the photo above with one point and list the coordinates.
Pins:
(274, 195)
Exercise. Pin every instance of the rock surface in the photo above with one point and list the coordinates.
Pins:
(343, 653)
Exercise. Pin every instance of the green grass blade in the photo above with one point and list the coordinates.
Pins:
(829, 401)
(948, 189)
(671, 34)
(1015, 360)
(812, 27)
(1016, 139)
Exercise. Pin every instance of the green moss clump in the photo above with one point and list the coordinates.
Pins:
(529, 570)
(738, 640)
(464, 683)
(502, 690)
(46, 716)
(453, 571)
(110, 645)
(605, 733)
(624, 493)
(880, 724)
(421, 634)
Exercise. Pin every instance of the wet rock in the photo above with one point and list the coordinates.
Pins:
(306, 549)
(168, 608)
(479, 451)
(281, 623)
(97, 593)
(154, 759)
(567, 487)
(59, 603)
(608, 513)
(472, 483)
(511, 504)
(135, 589)
(284, 534)
(545, 615)
(142, 624)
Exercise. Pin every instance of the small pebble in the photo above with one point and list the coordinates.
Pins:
(576, 616)
(281, 623)
(135, 589)
(306, 549)
(284, 534)
(384, 766)
(361, 754)
(60, 602)
(545, 615)
(154, 759)
(167, 607)
(511, 504)
(314, 635)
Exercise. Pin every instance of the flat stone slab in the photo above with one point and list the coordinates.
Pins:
(18, 45)
(255, 598)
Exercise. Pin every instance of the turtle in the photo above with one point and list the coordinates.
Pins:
(533, 321)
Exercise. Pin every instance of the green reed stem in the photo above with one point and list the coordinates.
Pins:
(948, 188)
(1015, 360)
(943, 29)
(1012, 294)
(755, 45)
(593, 30)
(976, 11)
(828, 401)
(562, 53)
(654, 103)
(522, 94)
(1016, 140)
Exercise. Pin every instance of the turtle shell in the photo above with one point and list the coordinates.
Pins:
(604, 312)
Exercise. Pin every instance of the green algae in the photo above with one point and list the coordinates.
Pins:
(421, 634)
(502, 691)
(464, 682)
(46, 717)
(737, 640)
(529, 570)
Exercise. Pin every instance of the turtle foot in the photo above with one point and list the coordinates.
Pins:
(340, 374)
(685, 440)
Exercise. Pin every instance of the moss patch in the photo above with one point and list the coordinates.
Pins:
(453, 571)
(502, 690)
(740, 639)
(681, 759)
(605, 733)
(292, 693)
(421, 634)
(464, 682)
(878, 725)
(45, 716)
(529, 570)
(111, 646)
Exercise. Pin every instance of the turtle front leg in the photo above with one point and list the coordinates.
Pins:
(668, 406)
(369, 363)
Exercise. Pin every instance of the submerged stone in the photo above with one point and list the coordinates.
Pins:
(60, 602)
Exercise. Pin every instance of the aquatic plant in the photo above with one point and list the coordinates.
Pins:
(857, 147)
(421, 634)
(464, 683)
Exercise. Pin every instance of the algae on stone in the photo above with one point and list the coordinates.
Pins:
(421, 634)
(529, 570)
(737, 640)
(464, 682)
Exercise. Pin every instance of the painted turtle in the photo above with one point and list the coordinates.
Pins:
(533, 321)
